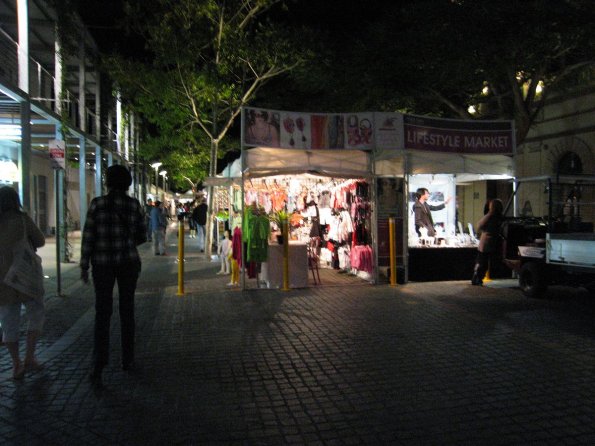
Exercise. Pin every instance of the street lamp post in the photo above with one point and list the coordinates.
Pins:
(163, 174)
(156, 166)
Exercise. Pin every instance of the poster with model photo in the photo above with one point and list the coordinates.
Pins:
(359, 131)
(295, 130)
(390, 195)
(328, 131)
(261, 128)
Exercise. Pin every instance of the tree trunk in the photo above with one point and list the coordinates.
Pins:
(211, 201)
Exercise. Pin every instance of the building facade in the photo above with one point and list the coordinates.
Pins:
(60, 124)
(561, 142)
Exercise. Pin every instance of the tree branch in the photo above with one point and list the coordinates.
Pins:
(458, 110)
(193, 106)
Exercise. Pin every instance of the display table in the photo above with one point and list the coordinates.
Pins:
(435, 264)
(272, 270)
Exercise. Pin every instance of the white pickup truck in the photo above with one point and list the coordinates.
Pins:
(558, 249)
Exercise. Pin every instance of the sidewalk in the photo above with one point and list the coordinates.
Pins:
(426, 363)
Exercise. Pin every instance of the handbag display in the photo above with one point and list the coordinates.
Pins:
(26, 273)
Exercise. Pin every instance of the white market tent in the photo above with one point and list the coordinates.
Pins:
(466, 167)
(232, 173)
(260, 161)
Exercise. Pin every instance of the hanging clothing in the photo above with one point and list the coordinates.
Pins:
(236, 245)
(256, 232)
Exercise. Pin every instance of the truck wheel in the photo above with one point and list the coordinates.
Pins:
(533, 280)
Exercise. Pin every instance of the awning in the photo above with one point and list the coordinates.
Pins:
(261, 162)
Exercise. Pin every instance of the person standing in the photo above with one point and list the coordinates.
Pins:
(159, 226)
(191, 221)
(148, 208)
(114, 227)
(423, 211)
(489, 240)
(199, 214)
(15, 224)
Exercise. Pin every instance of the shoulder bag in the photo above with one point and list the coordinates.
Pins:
(26, 273)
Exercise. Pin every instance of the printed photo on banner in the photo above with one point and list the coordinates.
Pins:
(295, 130)
(262, 128)
(328, 131)
(360, 131)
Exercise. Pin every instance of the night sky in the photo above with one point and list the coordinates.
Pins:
(104, 19)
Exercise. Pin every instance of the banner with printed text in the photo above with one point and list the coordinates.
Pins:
(374, 130)
(458, 136)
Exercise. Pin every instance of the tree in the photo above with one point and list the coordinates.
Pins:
(438, 57)
(204, 61)
(503, 58)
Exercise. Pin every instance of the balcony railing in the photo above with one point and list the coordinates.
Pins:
(41, 85)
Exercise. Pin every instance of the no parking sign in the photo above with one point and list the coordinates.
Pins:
(58, 153)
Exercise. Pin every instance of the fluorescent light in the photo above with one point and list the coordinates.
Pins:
(9, 171)
(10, 131)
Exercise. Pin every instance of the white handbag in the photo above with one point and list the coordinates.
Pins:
(26, 273)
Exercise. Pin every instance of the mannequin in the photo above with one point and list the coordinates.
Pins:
(224, 251)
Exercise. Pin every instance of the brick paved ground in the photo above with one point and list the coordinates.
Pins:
(426, 363)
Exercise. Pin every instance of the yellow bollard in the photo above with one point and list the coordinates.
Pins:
(392, 251)
(285, 234)
(180, 258)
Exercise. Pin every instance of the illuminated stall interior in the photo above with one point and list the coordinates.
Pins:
(466, 181)
(328, 200)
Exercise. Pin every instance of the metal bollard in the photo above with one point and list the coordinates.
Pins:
(180, 258)
(392, 251)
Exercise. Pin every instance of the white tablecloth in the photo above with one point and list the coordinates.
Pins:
(272, 270)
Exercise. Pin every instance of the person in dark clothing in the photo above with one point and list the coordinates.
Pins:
(199, 215)
(489, 240)
(114, 227)
(422, 211)
(148, 208)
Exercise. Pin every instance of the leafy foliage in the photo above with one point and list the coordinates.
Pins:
(437, 57)
(453, 50)
(204, 61)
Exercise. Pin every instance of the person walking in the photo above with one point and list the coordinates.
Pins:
(159, 226)
(199, 214)
(489, 240)
(15, 225)
(114, 227)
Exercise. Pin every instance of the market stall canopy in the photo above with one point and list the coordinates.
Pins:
(188, 195)
(262, 161)
(392, 163)
(231, 174)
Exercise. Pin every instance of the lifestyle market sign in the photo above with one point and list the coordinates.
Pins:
(375, 131)
(458, 136)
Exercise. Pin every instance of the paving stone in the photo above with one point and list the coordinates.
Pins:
(425, 363)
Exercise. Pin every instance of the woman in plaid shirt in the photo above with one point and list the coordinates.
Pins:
(114, 227)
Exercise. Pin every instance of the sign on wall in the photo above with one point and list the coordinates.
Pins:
(58, 154)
